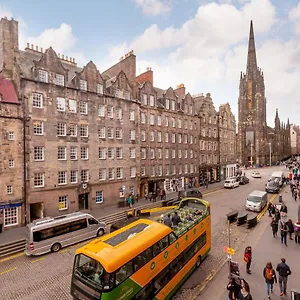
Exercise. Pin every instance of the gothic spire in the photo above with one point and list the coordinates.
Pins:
(251, 59)
(276, 115)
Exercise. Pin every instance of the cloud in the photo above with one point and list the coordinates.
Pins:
(154, 7)
(294, 16)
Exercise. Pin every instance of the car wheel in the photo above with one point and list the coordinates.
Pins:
(100, 232)
(56, 247)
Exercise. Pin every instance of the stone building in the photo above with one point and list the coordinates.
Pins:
(295, 139)
(227, 132)
(257, 142)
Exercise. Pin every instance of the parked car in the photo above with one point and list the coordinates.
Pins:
(243, 179)
(256, 174)
(231, 183)
(190, 193)
(272, 186)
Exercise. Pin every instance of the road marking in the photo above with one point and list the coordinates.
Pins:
(38, 259)
(8, 270)
(212, 192)
(12, 256)
(64, 250)
(259, 216)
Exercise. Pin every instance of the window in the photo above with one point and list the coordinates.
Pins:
(84, 175)
(191, 154)
(99, 88)
(173, 138)
(132, 152)
(143, 171)
(179, 138)
(37, 100)
(110, 112)
(159, 120)
(167, 169)
(173, 105)
(73, 153)
(131, 115)
(84, 130)
(185, 138)
(101, 132)
(167, 153)
(145, 99)
(102, 153)
(61, 153)
(143, 153)
(11, 163)
(151, 136)
(191, 125)
(39, 180)
(119, 173)
(191, 139)
(143, 135)
(132, 134)
(118, 93)
(166, 137)
(9, 189)
(166, 121)
(119, 133)
(119, 113)
(159, 170)
(61, 129)
(152, 153)
(152, 171)
(43, 76)
(11, 135)
(102, 174)
(63, 202)
(119, 153)
(60, 104)
(179, 153)
(151, 121)
(167, 104)
(180, 169)
(10, 216)
(159, 136)
(74, 176)
(110, 133)
(185, 124)
(124, 272)
(191, 168)
(143, 118)
(84, 153)
(159, 153)
(185, 168)
(38, 153)
(110, 153)
(99, 197)
(151, 100)
(179, 123)
(83, 107)
(60, 79)
(38, 128)
(62, 177)
(173, 153)
(191, 110)
(101, 110)
(73, 130)
(173, 122)
(111, 173)
(83, 85)
(72, 106)
(185, 153)
(127, 95)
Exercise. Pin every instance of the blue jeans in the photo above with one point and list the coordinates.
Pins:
(269, 287)
(283, 238)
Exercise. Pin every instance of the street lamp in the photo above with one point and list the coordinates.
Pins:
(270, 147)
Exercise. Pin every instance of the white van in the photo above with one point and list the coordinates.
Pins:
(278, 175)
(231, 183)
(256, 201)
(51, 234)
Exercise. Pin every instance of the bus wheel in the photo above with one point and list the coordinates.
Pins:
(100, 232)
(198, 262)
(56, 247)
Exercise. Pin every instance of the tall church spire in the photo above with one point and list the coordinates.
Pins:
(251, 59)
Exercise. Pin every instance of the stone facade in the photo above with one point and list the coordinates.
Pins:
(257, 142)
(295, 139)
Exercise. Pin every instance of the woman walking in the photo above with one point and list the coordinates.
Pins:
(290, 226)
(274, 225)
(270, 277)
(248, 258)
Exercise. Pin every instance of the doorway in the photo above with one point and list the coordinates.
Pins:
(36, 211)
(83, 200)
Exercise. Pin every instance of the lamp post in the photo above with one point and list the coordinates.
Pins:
(251, 151)
(270, 147)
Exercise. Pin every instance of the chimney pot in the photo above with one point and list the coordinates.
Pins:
(36, 48)
(66, 57)
(5, 18)
(73, 60)
(28, 45)
(58, 54)
(41, 49)
(12, 19)
(32, 47)
(62, 56)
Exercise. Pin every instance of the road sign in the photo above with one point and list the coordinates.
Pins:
(230, 251)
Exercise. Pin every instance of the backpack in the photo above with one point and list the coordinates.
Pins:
(269, 273)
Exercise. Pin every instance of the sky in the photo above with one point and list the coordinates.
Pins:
(200, 43)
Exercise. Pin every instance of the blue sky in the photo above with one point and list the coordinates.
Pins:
(200, 43)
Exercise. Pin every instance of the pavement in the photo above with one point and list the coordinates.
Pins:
(15, 234)
(265, 249)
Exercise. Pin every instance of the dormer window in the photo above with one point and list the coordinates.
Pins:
(167, 104)
(127, 95)
(60, 79)
(83, 85)
(43, 76)
(173, 105)
(151, 100)
(99, 88)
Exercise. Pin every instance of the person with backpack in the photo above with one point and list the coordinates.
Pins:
(283, 271)
(248, 258)
(270, 277)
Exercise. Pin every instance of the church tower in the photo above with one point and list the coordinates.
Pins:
(252, 124)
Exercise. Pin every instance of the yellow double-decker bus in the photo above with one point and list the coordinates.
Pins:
(145, 259)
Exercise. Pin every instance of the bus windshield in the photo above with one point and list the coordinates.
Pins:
(92, 273)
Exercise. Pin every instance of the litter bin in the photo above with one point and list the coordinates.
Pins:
(280, 198)
(295, 295)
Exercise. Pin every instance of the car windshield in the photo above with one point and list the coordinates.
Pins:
(254, 199)
(228, 181)
(92, 273)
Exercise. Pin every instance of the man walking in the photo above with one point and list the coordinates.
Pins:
(283, 271)
(284, 231)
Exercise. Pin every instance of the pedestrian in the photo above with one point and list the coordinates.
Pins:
(244, 293)
(233, 287)
(248, 258)
(137, 197)
(297, 232)
(270, 277)
(168, 220)
(161, 194)
(176, 219)
(283, 271)
(146, 195)
(277, 215)
(295, 194)
(129, 200)
(283, 231)
(206, 183)
(270, 208)
(274, 225)
(290, 226)
(1, 220)
(283, 210)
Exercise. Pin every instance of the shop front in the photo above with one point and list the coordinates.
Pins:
(155, 185)
(12, 214)
(174, 184)
(230, 170)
